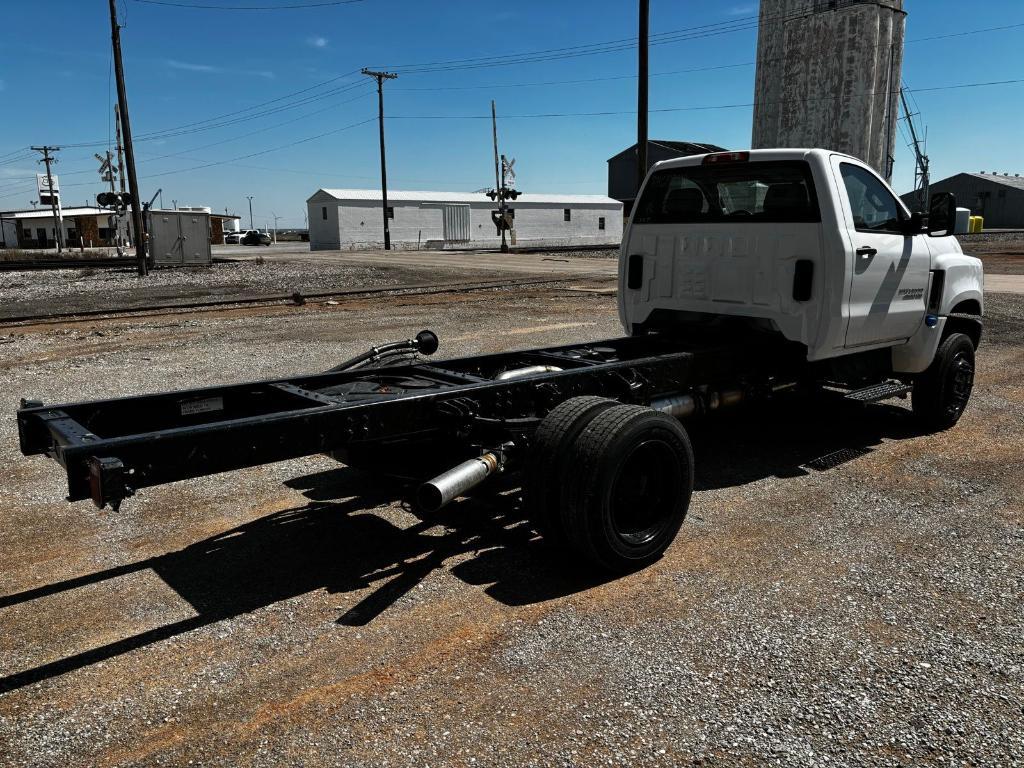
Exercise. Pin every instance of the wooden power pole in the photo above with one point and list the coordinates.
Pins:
(641, 98)
(381, 77)
(58, 225)
(129, 151)
(120, 157)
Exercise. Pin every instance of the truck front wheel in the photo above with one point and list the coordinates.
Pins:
(942, 391)
(627, 487)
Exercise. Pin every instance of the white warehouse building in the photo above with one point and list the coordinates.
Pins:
(351, 218)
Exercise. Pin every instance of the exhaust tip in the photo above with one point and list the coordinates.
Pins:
(429, 498)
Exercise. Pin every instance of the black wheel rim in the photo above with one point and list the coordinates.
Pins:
(645, 492)
(961, 381)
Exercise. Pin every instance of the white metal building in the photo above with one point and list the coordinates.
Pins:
(351, 218)
(83, 225)
(87, 226)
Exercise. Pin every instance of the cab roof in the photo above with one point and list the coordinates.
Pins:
(756, 155)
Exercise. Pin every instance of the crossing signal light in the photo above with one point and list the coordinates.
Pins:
(114, 199)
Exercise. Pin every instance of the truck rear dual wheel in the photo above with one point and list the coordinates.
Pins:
(552, 442)
(623, 486)
(942, 391)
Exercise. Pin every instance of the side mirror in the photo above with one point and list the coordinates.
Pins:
(914, 225)
(942, 214)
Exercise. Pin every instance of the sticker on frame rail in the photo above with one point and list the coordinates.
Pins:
(201, 405)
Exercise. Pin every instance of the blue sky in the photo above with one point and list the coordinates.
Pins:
(187, 65)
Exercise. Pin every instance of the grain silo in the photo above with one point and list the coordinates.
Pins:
(828, 75)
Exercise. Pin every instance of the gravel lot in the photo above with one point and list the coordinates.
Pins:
(70, 290)
(843, 592)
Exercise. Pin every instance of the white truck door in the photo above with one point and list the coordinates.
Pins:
(890, 268)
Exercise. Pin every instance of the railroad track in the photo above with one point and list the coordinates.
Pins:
(40, 264)
(295, 298)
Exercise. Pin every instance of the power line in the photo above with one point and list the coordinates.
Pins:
(205, 6)
(264, 129)
(575, 82)
(608, 46)
(265, 151)
(180, 130)
(625, 44)
(270, 101)
(670, 72)
(173, 133)
(19, 151)
(605, 113)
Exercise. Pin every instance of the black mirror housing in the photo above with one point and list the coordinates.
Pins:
(942, 214)
(914, 225)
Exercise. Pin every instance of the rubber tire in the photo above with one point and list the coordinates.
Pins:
(600, 452)
(936, 402)
(552, 442)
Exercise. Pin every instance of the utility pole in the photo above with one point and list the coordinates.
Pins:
(499, 181)
(921, 174)
(502, 191)
(58, 225)
(251, 225)
(276, 217)
(129, 151)
(641, 97)
(120, 159)
(381, 77)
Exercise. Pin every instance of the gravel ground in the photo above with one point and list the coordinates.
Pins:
(843, 592)
(1001, 252)
(67, 290)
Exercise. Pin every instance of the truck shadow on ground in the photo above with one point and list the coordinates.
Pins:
(339, 543)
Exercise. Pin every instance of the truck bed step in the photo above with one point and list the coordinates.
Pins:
(883, 391)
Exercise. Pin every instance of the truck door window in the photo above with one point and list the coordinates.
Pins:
(874, 207)
(762, 192)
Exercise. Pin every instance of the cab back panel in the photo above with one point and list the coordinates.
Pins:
(711, 269)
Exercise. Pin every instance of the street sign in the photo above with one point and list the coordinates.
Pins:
(43, 185)
(46, 195)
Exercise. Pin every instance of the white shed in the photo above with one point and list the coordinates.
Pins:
(352, 218)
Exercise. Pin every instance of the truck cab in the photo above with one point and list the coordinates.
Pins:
(807, 244)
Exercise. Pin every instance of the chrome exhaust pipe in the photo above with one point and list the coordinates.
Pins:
(684, 406)
(448, 486)
(679, 406)
(530, 370)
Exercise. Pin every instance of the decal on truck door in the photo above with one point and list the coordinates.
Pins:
(890, 266)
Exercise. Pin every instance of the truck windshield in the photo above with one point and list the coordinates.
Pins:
(754, 192)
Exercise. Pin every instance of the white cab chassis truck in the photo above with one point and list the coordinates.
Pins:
(744, 277)
(813, 247)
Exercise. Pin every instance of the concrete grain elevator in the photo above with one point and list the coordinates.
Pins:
(828, 75)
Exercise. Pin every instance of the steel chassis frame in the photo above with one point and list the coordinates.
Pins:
(110, 448)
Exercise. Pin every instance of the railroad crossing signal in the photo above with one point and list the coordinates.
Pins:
(108, 171)
(508, 170)
(118, 201)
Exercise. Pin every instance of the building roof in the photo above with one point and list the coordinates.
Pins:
(682, 147)
(82, 210)
(1017, 182)
(46, 213)
(398, 195)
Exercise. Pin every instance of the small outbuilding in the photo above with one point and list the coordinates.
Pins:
(352, 218)
(996, 197)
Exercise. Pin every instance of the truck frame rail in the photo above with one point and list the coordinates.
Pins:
(451, 408)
